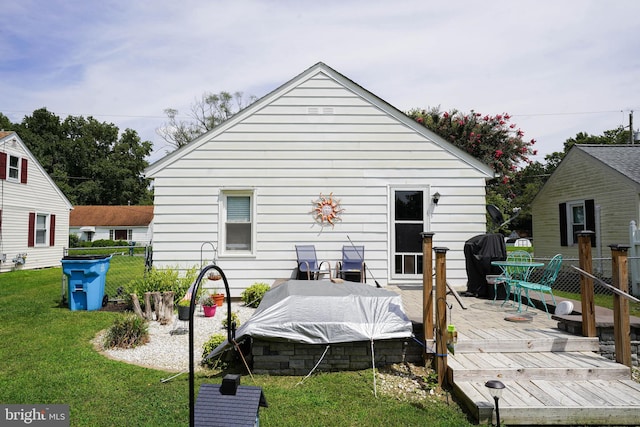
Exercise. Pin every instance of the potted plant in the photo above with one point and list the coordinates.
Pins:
(184, 306)
(218, 297)
(208, 306)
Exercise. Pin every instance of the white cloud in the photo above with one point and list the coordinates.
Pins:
(125, 62)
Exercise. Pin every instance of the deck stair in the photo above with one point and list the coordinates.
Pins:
(551, 378)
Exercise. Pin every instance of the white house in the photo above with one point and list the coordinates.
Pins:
(34, 213)
(130, 223)
(253, 187)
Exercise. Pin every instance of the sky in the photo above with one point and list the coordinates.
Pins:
(558, 67)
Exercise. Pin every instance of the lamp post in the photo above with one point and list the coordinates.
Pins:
(495, 390)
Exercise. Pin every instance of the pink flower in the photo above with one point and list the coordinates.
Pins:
(507, 116)
(498, 154)
(420, 120)
(533, 141)
(505, 179)
(535, 152)
(445, 115)
(502, 122)
(520, 133)
(512, 125)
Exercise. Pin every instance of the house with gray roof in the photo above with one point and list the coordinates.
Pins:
(595, 187)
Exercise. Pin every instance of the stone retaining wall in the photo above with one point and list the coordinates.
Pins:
(607, 340)
(286, 358)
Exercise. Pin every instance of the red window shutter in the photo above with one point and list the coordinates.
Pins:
(23, 172)
(52, 230)
(32, 226)
(3, 165)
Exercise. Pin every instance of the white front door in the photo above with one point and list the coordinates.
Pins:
(409, 219)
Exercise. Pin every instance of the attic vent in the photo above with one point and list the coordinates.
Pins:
(317, 110)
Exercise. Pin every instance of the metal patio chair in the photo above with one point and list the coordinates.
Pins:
(549, 276)
(511, 274)
(308, 266)
(352, 265)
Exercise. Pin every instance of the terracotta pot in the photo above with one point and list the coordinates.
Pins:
(219, 299)
(209, 311)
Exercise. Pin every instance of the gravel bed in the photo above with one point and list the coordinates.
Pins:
(170, 351)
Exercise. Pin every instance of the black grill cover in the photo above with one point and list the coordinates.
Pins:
(479, 251)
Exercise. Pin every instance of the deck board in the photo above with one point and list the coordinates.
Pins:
(551, 377)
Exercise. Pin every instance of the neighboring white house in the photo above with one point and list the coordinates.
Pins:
(130, 223)
(34, 213)
(253, 187)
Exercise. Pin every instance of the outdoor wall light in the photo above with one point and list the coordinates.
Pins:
(436, 198)
(495, 390)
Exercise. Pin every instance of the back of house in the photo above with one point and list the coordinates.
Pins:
(319, 161)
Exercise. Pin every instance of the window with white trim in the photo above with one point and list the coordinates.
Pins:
(42, 229)
(237, 218)
(14, 168)
(576, 216)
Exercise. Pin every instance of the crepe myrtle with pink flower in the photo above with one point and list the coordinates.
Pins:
(492, 139)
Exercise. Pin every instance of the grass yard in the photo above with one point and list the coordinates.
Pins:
(47, 358)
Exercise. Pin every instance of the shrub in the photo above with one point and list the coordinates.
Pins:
(163, 280)
(128, 331)
(234, 319)
(208, 347)
(74, 240)
(252, 296)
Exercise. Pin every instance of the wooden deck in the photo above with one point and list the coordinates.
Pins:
(551, 377)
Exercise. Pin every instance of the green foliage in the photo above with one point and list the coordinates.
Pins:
(163, 280)
(206, 113)
(252, 296)
(74, 240)
(213, 342)
(92, 162)
(234, 319)
(128, 331)
(207, 301)
(492, 139)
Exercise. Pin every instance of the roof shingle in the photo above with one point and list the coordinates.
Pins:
(118, 216)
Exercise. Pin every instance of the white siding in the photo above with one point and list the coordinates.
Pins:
(38, 195)
(289, 156)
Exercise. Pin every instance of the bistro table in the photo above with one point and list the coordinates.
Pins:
(522, 271)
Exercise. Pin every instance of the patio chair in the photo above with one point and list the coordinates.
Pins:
(548, 278)
(352, 267)
(308, 266)
(512, 273)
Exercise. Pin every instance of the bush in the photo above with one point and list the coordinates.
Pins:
(127, 331)
(234, 319)
(163, 280)
(252, 296)
(74, 240)
(208, 347)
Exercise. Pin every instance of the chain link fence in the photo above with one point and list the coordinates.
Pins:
(569, 279)
(127, 263)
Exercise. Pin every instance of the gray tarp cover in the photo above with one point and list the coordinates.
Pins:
(323, 312)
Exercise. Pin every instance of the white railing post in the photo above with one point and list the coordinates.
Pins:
(634, 254)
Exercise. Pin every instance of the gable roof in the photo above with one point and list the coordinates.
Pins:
(316, 69)
(10, 137)
(117, 216)
(622, 158)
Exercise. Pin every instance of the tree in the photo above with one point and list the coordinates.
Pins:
(91, 162)
(206, 113)
(491, 139)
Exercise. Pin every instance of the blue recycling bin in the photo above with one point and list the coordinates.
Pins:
(86, 277)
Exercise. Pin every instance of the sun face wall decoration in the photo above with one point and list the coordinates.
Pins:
(327, 210)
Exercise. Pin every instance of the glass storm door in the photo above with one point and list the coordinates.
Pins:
(408, 223)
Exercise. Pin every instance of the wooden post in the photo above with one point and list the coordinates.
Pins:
(586, 284)
(441, 313)
(147, 306)
(167, 308)
(427, 288)
(621, 327)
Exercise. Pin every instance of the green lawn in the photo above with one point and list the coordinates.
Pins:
(47, 358)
